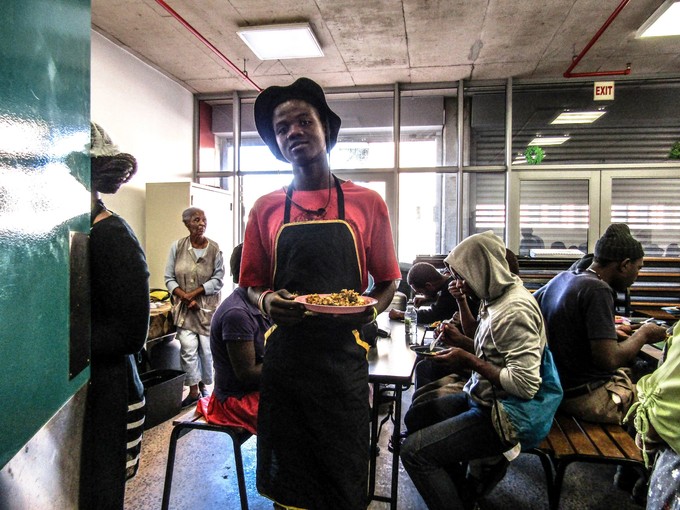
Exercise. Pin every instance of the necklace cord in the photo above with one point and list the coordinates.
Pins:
(316, 212)
(595, 273)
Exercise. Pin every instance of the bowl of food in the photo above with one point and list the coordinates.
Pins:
(425, 351)
(432, 326)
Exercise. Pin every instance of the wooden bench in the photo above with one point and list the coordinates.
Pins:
(573, 440)
(192, 421)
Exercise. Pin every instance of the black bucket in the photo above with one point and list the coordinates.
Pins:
(163, 394)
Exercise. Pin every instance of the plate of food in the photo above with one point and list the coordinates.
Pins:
(639, 320)
(337, 303)
(424, 350)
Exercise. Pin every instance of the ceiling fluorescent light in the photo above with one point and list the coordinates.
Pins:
(583, 117)
(664, 21)
(549, 140)
(278, 42)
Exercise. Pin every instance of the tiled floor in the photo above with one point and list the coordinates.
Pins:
(205, 479)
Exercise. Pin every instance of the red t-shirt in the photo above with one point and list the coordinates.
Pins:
(365, 211)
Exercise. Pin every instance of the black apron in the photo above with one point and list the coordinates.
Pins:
(313, 422)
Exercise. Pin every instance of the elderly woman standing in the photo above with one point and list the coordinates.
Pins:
(193, 276)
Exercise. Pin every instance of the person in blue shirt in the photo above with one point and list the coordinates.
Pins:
(237, 337)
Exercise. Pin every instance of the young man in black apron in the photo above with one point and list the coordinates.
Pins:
(318, 235)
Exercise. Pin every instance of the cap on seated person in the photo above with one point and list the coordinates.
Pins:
(617, 243)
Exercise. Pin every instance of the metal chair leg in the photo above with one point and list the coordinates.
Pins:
(170, 467)
(237, 440)
(240, 475)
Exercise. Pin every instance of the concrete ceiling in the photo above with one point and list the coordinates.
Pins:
(373, 42)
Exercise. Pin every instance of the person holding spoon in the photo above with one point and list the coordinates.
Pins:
(433, 379)
(453, 452)
(194, 275)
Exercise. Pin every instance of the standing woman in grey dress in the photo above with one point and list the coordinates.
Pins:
(194, 276)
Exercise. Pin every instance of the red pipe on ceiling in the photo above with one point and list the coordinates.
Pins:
(576, 60)
(191, 29)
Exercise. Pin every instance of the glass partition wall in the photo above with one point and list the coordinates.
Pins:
(508, 157)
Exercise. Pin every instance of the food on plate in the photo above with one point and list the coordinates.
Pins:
(424, 350)
(435, 324)
(343, 298)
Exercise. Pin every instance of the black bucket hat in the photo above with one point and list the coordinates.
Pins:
(304, 89)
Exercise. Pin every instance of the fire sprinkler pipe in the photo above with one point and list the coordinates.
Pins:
(200, 37)
(576, 60)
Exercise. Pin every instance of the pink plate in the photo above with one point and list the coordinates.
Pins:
(337, 310)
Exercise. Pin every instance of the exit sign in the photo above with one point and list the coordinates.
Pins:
(603, 91)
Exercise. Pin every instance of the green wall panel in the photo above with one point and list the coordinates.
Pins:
(44, 174)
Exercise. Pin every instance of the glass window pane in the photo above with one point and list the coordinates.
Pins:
(427, 214)
(484, 207)
(209, 145)
(366, 136)
(255, 156)
(486, 132)
(639, 125)
(428, 128)
(553, 214)
(650, 208)
(254, 186)
(216, 182)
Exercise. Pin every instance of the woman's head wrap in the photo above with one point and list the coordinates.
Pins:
(110, 168)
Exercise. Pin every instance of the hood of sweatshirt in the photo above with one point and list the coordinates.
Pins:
(480, 260)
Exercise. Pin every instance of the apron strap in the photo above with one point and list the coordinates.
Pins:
(289, 200)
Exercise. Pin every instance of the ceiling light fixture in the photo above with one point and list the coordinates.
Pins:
(582, 117)
(549, 140)
(278, 42)
(664, 21)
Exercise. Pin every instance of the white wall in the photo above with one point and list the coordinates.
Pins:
(147, 115)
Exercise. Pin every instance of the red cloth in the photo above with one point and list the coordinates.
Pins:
(365, 211)
(233, 412)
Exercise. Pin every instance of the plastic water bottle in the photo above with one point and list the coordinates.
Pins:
(410, 323)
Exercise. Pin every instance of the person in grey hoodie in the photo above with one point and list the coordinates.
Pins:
(450, 432)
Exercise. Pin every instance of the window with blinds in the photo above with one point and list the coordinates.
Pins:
(554, 213)
(486, 203)
(650, 207)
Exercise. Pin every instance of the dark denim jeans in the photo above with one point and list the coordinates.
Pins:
(444, 434)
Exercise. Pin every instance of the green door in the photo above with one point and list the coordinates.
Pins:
(44, 203)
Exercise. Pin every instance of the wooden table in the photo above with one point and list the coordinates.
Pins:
(390, 362)
(161, 329)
